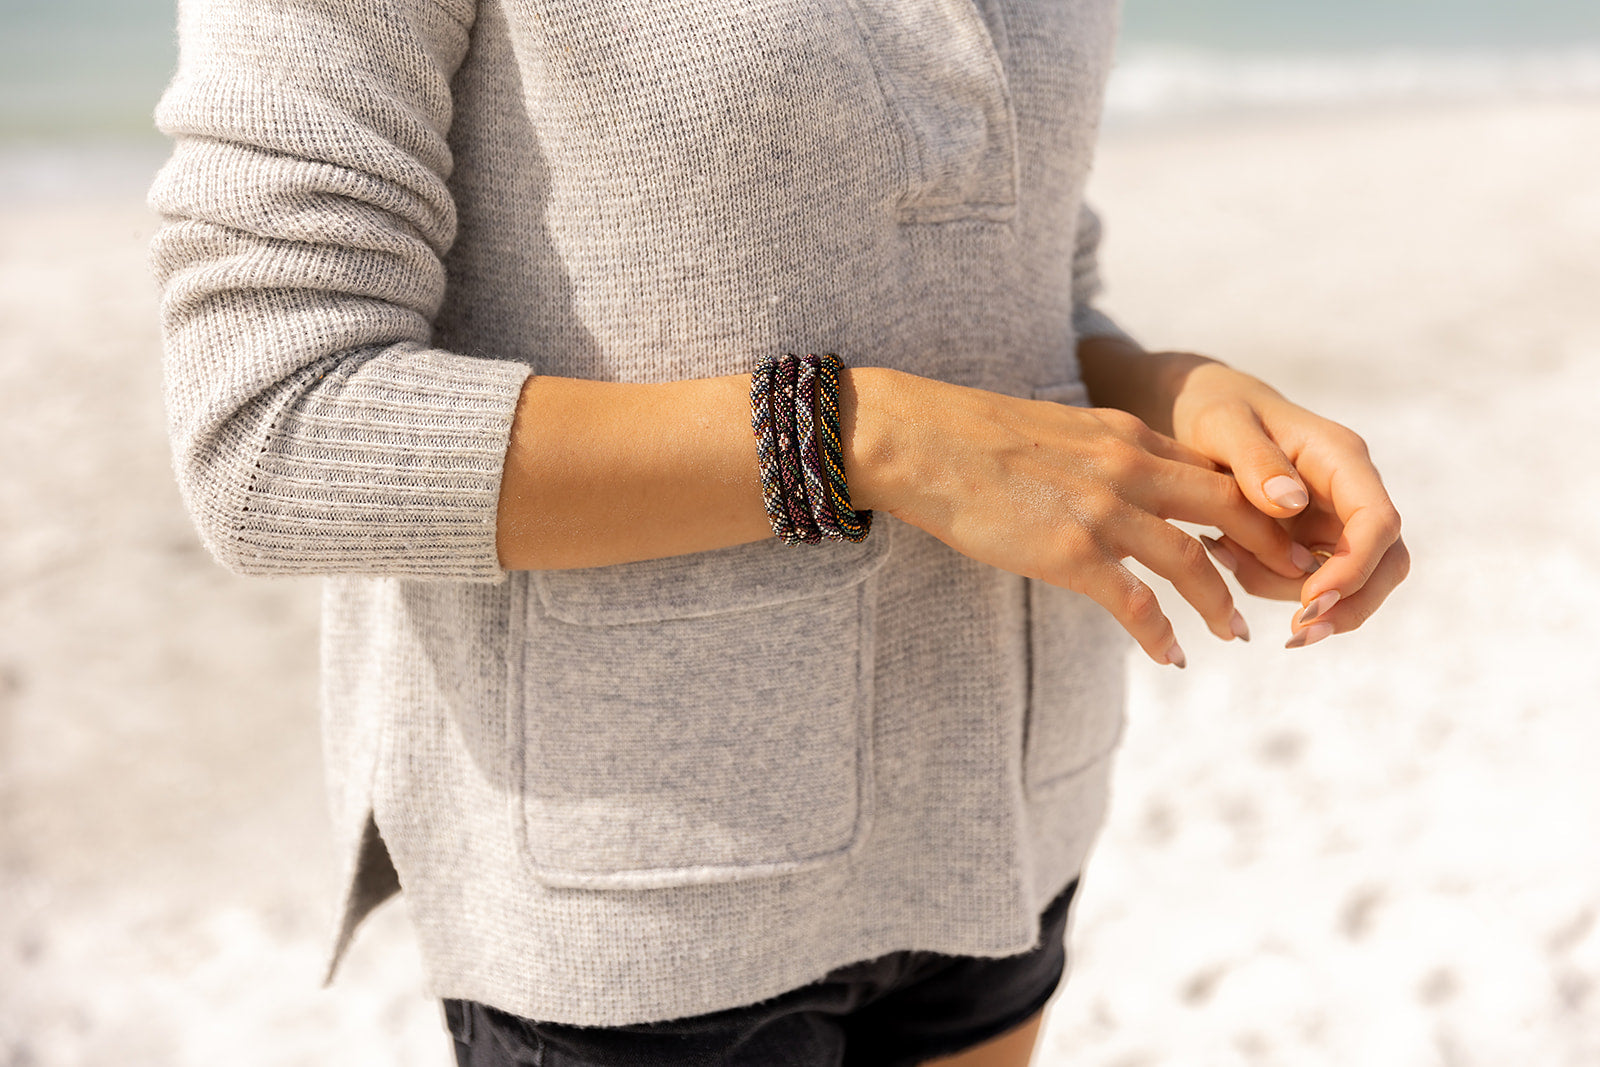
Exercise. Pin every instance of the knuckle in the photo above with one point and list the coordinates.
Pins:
(1226, 489)
(1192, 556)
(1140, 606)
(1263, 454)
(1121, 461)
(1388, 525)
(1354, 442)
(1231, 502)
(1402, 561)
(1101, 509)
(1121, 421)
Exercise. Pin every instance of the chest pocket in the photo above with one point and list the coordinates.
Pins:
(939, 65)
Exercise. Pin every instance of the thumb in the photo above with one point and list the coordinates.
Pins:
(1278, 490)
(1236, 437)
(1269, 481)
(1265, 475)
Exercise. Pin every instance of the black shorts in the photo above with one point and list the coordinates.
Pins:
(894, 1011)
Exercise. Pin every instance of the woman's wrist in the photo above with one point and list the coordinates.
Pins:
(1119, 374)
(876, 429)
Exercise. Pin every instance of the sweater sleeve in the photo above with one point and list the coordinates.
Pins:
(1087, 319)
(315, 429)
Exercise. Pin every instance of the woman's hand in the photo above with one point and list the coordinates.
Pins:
(1315, 477)
(1062, 494)
(1312, 475)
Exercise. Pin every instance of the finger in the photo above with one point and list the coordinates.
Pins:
(1316, 528)
(1182, 560)
(1134, 605)
(1135, 429)
(1370, 532)
(1265, 475)
(1253, 578)
(1159, 444)
(1370, 522)
(1212, 499)
(1344, 615)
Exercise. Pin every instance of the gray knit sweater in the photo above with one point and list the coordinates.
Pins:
(665, 788)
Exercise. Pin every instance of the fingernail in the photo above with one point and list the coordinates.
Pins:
(1285, 492)
(1220, 553)
(1240, 628)
(1317, 608)
(1302, 557)
(1176, 657)
(1310, 635)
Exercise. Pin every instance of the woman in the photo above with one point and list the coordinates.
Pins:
(462, 303)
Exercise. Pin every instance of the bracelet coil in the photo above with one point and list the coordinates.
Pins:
(794, 412)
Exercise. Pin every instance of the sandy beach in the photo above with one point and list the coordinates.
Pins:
(1378, 851)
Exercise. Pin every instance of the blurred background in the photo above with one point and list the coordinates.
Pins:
(1381, 850)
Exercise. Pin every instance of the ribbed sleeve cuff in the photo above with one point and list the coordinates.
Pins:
(387, 465)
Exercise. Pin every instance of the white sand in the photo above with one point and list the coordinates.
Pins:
(1377, 851)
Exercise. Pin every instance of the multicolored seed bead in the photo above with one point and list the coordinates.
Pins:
(794, 411)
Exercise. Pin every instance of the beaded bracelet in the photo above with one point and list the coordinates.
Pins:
(794, 411)
(761, 420)
(799, 503)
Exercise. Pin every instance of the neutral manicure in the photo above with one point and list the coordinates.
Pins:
(1285, 492)
(1240, 628)
(1317, 608)
(1310, 635)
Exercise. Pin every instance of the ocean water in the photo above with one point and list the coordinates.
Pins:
(92, 69)
(1180, 58)
(1300, 26)
(83, 68)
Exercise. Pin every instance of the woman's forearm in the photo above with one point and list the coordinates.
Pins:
(605, 472)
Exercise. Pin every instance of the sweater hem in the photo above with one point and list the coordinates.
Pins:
(675, 977)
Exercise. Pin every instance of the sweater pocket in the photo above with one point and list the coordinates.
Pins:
(939, 65)
(1077, 669)
(703, 718)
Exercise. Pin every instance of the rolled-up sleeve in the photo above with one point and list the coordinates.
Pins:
(315, 428)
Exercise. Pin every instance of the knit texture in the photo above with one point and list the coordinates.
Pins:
(658, 789)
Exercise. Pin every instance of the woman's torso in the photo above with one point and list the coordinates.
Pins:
(670, 787)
